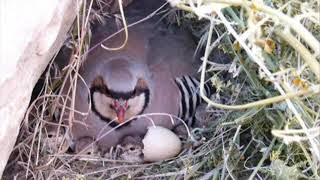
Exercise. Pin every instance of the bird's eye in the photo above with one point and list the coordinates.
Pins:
(131, 148)
(111, 106)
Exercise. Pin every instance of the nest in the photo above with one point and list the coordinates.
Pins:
(262, 123)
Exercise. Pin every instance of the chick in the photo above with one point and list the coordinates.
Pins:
(86, 146)
(131, 149)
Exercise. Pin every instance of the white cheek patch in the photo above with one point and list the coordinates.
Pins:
(102, 105)
(136, 105)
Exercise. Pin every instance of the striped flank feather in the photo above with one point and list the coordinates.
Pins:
(190, 97)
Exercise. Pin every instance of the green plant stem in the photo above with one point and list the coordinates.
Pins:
(296, 26)
(314, 90)
(287, 20)
(264, 157)
(304, 52)
(310, 161)
(267, 152)
(266, 101)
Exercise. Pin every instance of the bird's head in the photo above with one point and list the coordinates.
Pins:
(110, 104)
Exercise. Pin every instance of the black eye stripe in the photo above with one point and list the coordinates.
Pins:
(126, 95)
(102, 90)
(121, 95)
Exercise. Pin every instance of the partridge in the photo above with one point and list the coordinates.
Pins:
(155, 72)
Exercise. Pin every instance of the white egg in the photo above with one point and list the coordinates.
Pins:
(160, 143)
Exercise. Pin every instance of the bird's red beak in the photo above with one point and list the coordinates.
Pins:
(120, 114)
(120, 108)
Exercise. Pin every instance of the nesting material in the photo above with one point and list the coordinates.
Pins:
(160, 143)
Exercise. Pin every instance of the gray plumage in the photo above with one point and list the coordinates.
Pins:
(154, 58)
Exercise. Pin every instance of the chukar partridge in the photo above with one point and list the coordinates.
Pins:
(153, 73)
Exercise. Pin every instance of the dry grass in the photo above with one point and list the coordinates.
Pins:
(264, 121)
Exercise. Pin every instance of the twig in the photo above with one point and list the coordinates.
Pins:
(290, 135)
(156, 176)
(125, 31)
(130, 25)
